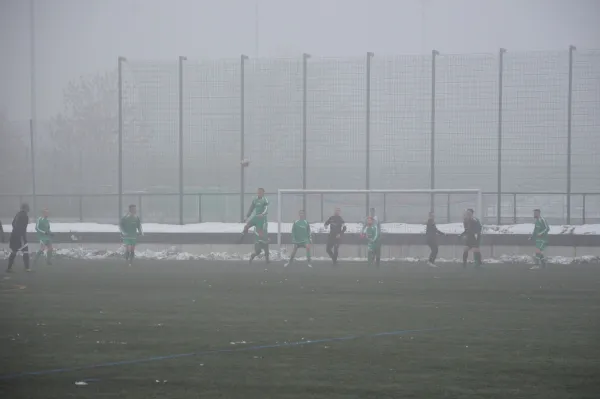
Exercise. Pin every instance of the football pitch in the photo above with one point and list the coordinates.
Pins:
(232, 330)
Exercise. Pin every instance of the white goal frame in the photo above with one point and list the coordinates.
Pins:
(280, 193)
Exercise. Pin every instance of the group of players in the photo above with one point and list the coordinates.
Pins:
(131, 227)
(371, 232)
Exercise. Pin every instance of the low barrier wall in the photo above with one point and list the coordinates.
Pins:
(566, 240)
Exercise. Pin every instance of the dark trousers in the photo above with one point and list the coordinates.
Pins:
(433, 246)
(333, 245)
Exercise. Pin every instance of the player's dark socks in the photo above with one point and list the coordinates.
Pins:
(127, 254)
(49, 257)
(477, 256)
(131, 256)
(11, 260)
(465, 257)
(26, 260)
(308, 258)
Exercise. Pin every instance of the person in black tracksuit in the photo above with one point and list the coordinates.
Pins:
(336, 229)
(18, 238)
(472, 233)
(431, 232)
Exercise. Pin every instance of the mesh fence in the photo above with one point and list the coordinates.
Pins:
(212, 118)
(586, 121)
(77, 153)
(151, 136)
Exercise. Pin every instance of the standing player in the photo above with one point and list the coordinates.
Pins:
(261, 243)
(473, 235)
(18, 238)
(260, 208)
(42, 229)
(300, 237)
(131, 227)
(371, 231)
(540, 235)
(431, 232)
(336, 229)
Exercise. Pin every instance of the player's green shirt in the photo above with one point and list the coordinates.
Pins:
(373, 236)
(260, 206)
(42, 227)
(301, 232)
(261, 236)
(541, 229)
(130, 226)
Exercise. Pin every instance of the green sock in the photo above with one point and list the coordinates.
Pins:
(308, 255)
(49, 256)
(477, 256)
(38, 255)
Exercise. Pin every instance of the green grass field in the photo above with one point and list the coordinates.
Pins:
(501, 332)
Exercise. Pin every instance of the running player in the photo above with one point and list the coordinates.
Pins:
(42, 229)
(473, 236)
(260, 208)
(261, 243)
(336, 229)
(371, 231)
(18, 238)
(540, 236)
(131, 227)
(300, 238)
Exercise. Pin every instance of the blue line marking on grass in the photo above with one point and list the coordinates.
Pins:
(211, 352)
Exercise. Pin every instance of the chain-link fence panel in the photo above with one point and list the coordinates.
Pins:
(212, 127)
(466, 129)
(400, 122)
(151, 135)
(585, 123)
(535, 96)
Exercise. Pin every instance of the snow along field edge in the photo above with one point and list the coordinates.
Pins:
(173, 253)
(388, 228)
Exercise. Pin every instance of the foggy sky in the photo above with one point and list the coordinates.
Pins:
(80, 37)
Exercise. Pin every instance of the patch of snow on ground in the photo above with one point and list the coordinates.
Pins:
(172, 253)
(390, 228)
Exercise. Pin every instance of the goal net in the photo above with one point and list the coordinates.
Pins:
(391, 206)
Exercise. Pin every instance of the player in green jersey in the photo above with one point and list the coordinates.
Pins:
(44, 235)
(261, 243)
(259, 209)
(371, 232)
(540, 236)
(131, 227)
(300, 238)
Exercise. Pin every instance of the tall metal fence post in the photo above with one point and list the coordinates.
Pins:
(33, 193)
(569, 123)
(500, 85)
(305, 58)
(243, 59)
(434, 54)
(120, 140)
(181, 59)
(368, 130)
(33, 99)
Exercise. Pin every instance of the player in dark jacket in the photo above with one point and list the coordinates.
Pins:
(431, 232)
(472, 233)
(18, 238)
(336, 229)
